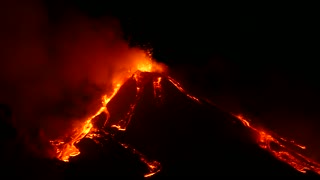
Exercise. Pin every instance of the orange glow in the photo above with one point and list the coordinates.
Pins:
(122, 125)
(66, 149)
(287, 150)
(145, 67)
(177, 85)
(118, 127)
(153, 166)
(157, 88)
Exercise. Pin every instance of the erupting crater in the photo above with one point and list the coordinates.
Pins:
(151, 112)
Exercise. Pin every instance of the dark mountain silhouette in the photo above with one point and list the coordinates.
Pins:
(152, 120)
(189, 137)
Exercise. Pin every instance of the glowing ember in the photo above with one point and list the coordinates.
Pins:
(285, 149)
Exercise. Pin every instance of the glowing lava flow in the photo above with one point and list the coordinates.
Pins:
(153, 166)
(123, 123)
(285, 150)
(67, 149)
(178, 86)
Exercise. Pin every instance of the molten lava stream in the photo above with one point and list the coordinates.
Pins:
(153, 166)
(67, 149)
(286, 149)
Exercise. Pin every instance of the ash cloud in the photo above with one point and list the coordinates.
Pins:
(53, 73)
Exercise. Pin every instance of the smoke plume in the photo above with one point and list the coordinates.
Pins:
(53, 73)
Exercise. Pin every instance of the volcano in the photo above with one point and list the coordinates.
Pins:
(153, 128)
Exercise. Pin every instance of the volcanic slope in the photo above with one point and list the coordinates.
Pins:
(153, 115)
(155, 129)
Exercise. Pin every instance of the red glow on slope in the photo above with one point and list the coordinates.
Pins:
(287, 150)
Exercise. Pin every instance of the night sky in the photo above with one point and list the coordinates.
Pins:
(259, 60)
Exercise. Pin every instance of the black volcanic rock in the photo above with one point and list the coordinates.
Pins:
(105, 159)
(190, 138)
